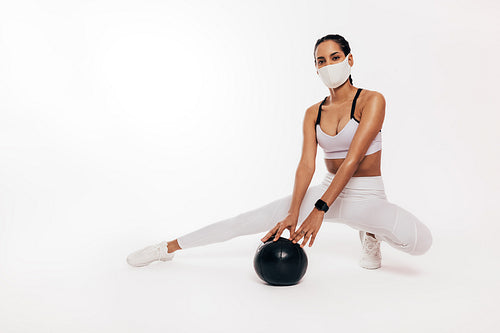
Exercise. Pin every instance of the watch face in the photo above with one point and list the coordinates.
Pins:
(321, 205)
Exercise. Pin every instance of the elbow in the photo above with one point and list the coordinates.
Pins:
(307, 167)
(352, 162)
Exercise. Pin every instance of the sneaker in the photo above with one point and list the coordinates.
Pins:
(371, 257)
(149, 254)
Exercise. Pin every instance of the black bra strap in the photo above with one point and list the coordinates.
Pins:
(353, 107)
(319, 111)
(354, 103)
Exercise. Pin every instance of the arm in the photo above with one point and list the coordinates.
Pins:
(307, 164)
(303, 178)
(369, 126)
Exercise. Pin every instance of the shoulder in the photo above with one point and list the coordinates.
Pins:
(371, 100)
(312, 111)
(371, 97)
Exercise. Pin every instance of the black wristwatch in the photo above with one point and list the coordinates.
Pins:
(321, 205)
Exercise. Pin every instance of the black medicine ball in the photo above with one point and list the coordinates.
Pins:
(281, 262)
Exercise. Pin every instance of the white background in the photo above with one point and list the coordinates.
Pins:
(124, 123)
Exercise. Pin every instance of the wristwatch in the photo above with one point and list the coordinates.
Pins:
(321, 205)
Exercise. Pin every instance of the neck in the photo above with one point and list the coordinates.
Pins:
(342, 93)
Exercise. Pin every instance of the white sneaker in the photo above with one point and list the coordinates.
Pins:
(149, 254)
(371, 257)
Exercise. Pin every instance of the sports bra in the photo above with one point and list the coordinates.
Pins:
(337, 146)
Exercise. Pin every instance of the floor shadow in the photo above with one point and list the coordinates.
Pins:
(398, 269)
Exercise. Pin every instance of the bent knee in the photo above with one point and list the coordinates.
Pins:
(414, 234)
(423, 241)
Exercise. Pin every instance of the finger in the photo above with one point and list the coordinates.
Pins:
(298, 236)
(313, 237)
(269, 234)
(299, 233)
(278, 233)
(292, 237)
(306, 239)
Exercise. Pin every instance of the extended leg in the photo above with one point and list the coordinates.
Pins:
(254, 221)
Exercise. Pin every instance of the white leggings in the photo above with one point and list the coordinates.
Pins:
(362, 205)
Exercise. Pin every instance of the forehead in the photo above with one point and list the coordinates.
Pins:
(327, 48)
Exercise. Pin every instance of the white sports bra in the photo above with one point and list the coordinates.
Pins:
(337, 146)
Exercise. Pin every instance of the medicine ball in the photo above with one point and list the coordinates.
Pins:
(281, 262)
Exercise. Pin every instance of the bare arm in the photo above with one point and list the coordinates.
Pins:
(307, 164)
(369, 126)
(303, 178)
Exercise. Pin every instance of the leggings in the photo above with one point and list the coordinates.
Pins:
(362, 205)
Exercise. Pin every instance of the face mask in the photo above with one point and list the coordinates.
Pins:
(335, 75)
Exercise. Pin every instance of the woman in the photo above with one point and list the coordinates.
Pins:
(347, 125)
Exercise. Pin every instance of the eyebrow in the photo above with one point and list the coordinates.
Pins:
(330, 55)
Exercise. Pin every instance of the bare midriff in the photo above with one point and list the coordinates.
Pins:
(369, 166)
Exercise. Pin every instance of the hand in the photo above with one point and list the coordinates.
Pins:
(309, 228)
(289, 222)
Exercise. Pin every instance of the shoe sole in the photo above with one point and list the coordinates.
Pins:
(138, 265)
(370, 266)
(147, 263)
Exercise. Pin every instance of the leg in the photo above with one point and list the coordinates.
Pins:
(363, 205)
(254, 221)
(389, 222)
(258, 220)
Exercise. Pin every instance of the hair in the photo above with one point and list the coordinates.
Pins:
(344, 45)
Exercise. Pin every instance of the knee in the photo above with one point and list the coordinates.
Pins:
(423, 241)
(415, 236)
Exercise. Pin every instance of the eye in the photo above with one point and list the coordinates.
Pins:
(319, 62)
(336, 57)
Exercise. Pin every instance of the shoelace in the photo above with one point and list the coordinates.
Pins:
(158, 249)
(370, 246)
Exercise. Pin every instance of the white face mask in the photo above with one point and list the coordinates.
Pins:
(335, 75)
